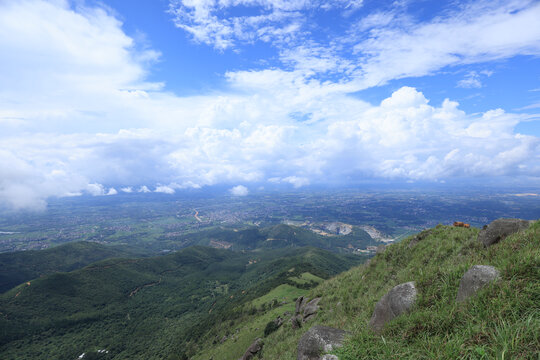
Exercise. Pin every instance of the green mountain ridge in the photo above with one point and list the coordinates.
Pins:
(274, 237)
(21, 266)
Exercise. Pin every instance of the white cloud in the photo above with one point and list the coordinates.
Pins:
(471, 80)
(402, 138)
(164, 189)
(25, 186)
(296, 181)
(274, 21)
(127, 189)
(69, 68)
(531, 106)
(239, 190)
(112, 191)
(95, 189)
(144, 189)
(483, 31)
(380, 46)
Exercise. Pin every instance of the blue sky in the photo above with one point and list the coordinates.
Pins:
(103, 97)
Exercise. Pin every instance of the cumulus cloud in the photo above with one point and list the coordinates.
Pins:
(144, 189)
(164, 189)
(112, 191)
(239, 190)
(95, 189)
(23, 185)
(127, 189)
(404, 137)
(296, 181)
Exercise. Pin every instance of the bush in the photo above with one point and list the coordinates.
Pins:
(271, 327)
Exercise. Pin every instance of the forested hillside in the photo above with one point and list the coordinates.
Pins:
(149, 308)
(21, 266)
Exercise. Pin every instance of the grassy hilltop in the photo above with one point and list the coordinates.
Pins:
(501, 322)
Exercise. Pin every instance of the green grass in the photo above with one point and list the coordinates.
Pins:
(306, 278)
(501, 322)
(249, 329)
(283, 292)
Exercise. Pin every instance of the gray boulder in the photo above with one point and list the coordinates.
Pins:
(253, 350)
(319, 340)
(500, 229)
(311, 308)
(397, 301)
(475, 279)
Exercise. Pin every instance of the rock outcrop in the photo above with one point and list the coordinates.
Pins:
(253, 350)
(475, 279)
(305, 310)
(397, 301)
(311, 308)
(319, 340)
(500, 229)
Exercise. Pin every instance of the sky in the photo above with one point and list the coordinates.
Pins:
(108, 97)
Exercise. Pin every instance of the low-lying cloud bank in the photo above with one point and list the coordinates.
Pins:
(403, 138)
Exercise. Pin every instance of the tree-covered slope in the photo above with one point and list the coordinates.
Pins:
(21, 266)
(501, 322)
(275, 237)
(147, 308)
